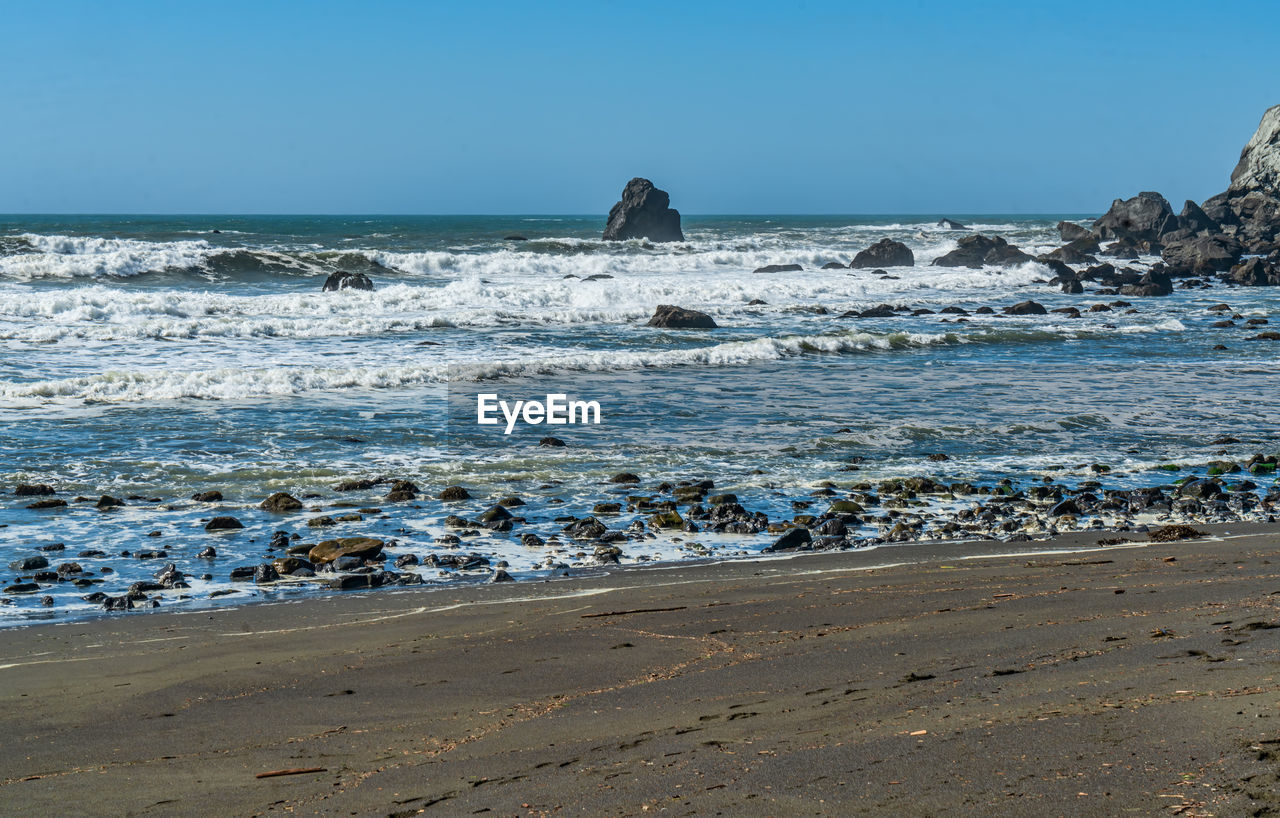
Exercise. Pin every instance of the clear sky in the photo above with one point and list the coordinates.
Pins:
(809, 106)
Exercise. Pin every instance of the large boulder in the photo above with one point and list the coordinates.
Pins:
(1195, 220)
(1202, 254)
(644, 212)
(978, 250)
(1070, 231)
(668, 316)
(1256, 272)
(330, 550)
(1146, 216)
(1152, 284)
(1076, 251)
(885, 253)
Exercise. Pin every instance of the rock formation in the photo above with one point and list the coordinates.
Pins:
(977, 250)
(1249, 209)
(885, 253)
(644, 212)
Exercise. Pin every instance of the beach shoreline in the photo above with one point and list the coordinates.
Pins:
(1056, 674)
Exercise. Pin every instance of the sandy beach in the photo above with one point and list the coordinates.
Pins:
(1056, 677)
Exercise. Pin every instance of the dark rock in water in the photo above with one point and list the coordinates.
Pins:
(265, 573)
(884, 253)
(1065, 507)
(351, 582)
(22, 588)
(1200, 489)
(1152, 284)
(553, 442)
(515, 238)
(347, 281)
(1079, 251)
(223, 524)
(793, 540)
(625, 477)
(47, 504)
(117, 603)
(207, 497)
(644, 212)
(1202, 254)
(951, 224)
(1264, 336)
(106, 501)
(356, 485)
(1146, 216)
(1072, 287)
(1026, 308)
(978, 250)
(1070, 231)
(323, 521)
(667, 316)
(779, 268)
(588, 528)
(330, 550)
(757, 302)
(501, 576)
(30, 563)
(494, 514)
(208, 553)
(1256, 272)
(281, 503)
(402, 491)
(33, 490)
(453, 494)
(833, 265)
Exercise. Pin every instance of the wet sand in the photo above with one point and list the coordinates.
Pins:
(916, 680)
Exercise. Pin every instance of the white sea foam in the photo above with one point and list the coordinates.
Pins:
(91, 257)
(104, 313)
(232, 383)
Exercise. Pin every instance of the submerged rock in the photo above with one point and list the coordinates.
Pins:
(779, 268)
(951, 224)
(644, 212)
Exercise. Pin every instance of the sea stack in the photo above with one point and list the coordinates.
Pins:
(643, 213)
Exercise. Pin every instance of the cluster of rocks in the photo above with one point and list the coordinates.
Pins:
(831, 516)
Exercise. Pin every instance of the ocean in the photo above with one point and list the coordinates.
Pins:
(152, 359)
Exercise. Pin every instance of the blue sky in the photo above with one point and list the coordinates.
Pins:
(743, 107)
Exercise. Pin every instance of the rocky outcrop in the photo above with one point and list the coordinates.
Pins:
(1076, 251)
(978, 250)
(1194, 220)
(644, 212)
(1145, 217)
(668, 316)
(1151, 284)
(885, 253)
(1070, 231)
(1256, 272)
(779, 268)
(1202, 254)
(347, 281)
(1249, 209)
(951, 224)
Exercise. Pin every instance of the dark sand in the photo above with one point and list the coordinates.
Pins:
(830, 684)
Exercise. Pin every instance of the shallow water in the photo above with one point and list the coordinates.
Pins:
(152, 358)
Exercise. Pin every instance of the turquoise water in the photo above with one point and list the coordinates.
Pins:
(152, 358)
